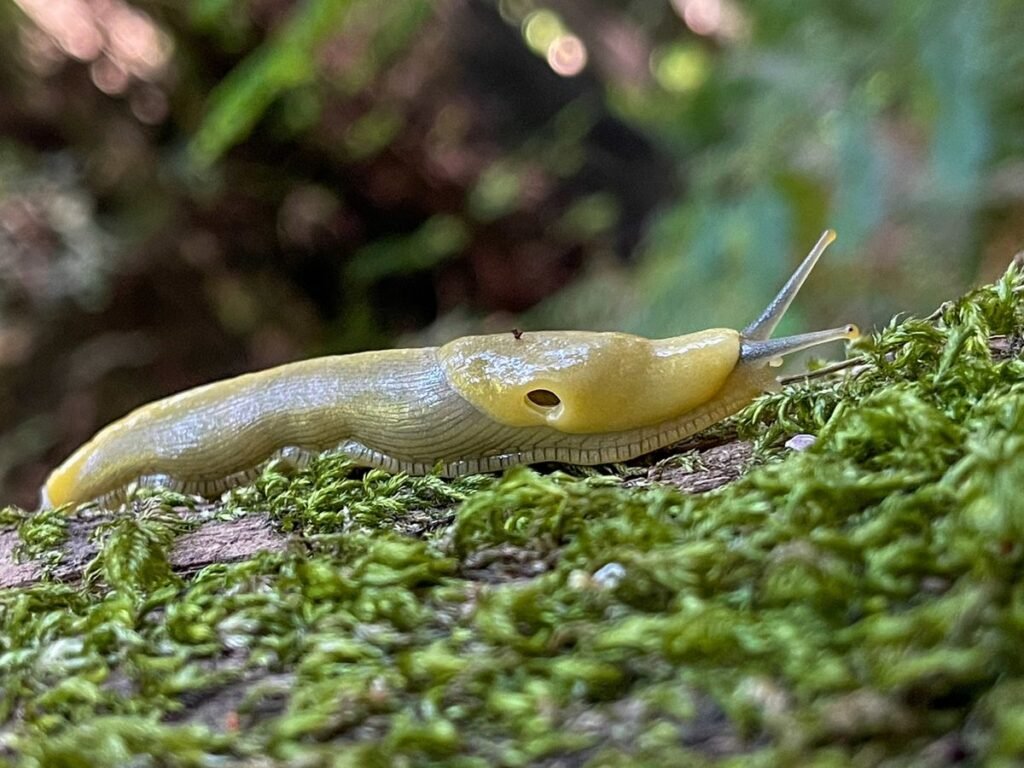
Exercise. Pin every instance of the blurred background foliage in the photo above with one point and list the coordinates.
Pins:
(193, 189)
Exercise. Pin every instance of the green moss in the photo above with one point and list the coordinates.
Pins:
(41, 535)
(859, 601)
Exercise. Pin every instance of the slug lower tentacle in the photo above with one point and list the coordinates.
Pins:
(476, 404)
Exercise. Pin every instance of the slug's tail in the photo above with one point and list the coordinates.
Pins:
(764, 326)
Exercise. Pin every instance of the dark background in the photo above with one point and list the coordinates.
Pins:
(193, 189)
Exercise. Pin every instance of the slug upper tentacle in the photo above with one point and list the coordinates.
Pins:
(476, 404)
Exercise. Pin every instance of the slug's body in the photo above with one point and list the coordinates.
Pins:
(477, 404)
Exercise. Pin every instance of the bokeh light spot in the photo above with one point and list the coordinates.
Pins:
(70, 23)
(541, 29)
(107, 76)
(704, 17)
(722, 19)
(149, 104)
(680, 68)
(39, 51)
(136, 42)
(131, 43)
(513, 11)
(567, 55)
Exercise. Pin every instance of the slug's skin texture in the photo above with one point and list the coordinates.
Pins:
(417, 410)
(477, 404)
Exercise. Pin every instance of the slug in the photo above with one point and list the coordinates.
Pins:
(476, 404)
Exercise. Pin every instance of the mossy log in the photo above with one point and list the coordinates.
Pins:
(855, 597)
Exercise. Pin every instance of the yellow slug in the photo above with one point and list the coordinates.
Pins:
(476, 404)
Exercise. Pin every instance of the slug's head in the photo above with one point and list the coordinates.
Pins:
(587, 382)
(584, 382)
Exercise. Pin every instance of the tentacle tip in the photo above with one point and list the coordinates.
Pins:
(851, 332)
(828, 237)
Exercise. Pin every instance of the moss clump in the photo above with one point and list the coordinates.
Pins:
(858, 601)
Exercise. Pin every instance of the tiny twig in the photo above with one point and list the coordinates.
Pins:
(938, 312)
